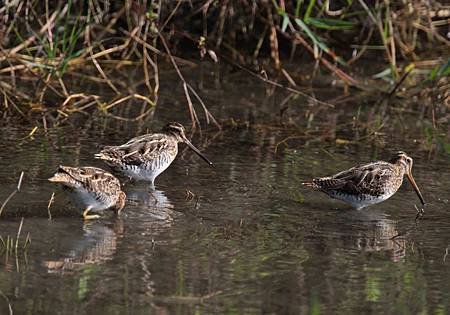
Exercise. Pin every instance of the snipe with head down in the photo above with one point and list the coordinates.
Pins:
(92, 188)
(368, 184)
(147, 156)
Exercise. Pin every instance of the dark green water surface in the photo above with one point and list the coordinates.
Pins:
(249, 240)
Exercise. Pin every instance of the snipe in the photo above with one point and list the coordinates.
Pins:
(368, 184)
(147, 156)
(90, 187)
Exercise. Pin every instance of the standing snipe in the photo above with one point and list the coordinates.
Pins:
(90, 187)
(147, 156)
(368, 184)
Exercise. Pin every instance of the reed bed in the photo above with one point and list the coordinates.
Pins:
(11, 247)
(46, 46)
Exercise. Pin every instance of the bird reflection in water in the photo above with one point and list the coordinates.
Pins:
(149, 212)
(372, 231)
(150, 205)
(96, 244)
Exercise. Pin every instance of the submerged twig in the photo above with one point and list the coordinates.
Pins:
(7, 301)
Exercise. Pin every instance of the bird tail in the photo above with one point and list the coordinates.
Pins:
(311, 184)
(103, 155)
(325, 183)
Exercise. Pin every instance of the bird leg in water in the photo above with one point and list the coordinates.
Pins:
(86, 216)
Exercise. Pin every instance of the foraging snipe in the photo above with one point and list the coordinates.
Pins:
(147, 156)
(90, 187)
(368, 184)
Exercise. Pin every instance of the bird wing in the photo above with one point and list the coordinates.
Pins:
(363, 179)
(138, 150)
(92, 178)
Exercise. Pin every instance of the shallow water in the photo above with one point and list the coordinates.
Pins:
(249, 239)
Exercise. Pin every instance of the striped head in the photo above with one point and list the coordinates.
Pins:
(177, 130)
(66, 177)
(401, 158)
(406, 162)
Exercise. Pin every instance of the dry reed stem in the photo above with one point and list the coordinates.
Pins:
(194, 118)
(171, 15)
(50, 202)
(208, 115)
(141, 116)
(389, 47)
(288, 77)
(8, 302)
(128, 97)
(12, 68)
(334, 69)
(78, 95)
(13, 193)
(185, 86)
(265, 79)
(274, 49)
(102, 73)
(432, 33)
(10, 89)
(63, 87)
(18, 234)
(157, 51)
(44, 81)
(144, 62)
(31, 39)
(7, 100)
(363, 49)
(96, 64)
(120, 100)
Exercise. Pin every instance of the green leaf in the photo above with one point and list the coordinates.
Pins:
(440, 71)
(298, 7)
(444, 70)
(285, 22)
(280, 10)
(311, 35)
(386, 72)
(316, 40)
(433, 74)
(330, 24)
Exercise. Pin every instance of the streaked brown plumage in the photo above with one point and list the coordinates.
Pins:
(368, 184)
(147, 156)
(91, 187)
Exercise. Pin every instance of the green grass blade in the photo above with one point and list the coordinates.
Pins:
(383, 74)
(309, 10)
(285, 22)
(330, 24)
(298, 8)
(311, 35)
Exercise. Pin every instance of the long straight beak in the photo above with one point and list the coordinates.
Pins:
(413, 183)
(191, 146)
